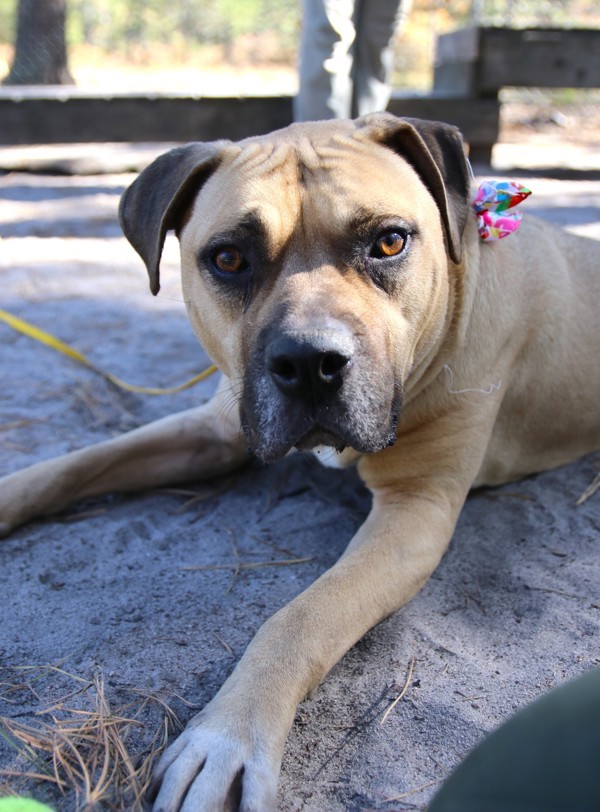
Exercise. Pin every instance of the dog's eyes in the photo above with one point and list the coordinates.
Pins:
(389, 244)
(229, 260)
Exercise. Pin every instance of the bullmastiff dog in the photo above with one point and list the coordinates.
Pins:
(334, 273)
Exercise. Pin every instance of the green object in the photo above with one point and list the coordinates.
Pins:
(22, 805)
(546, 758)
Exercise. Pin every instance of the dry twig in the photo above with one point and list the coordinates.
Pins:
(237, 566)
(589, 491)
(411, 667)
(411, 792)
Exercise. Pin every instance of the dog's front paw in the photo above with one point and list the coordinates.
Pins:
(211, 770)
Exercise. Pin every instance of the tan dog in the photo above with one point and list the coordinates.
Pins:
(334, 273)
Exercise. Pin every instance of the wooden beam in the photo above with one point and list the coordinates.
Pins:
(44, 118)
(54, 116)
(549, 57)
(479, 61)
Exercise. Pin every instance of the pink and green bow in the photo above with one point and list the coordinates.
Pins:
(494, 204)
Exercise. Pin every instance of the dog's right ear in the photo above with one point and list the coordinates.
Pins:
(157, 199)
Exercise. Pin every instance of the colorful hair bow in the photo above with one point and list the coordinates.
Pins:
(493, 205)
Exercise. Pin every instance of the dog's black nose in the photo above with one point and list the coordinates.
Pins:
(310, 364)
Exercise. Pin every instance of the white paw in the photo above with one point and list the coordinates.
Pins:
(211, 770)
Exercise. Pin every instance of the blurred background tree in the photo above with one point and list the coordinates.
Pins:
(40, 53)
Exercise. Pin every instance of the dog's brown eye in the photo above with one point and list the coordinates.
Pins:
(389, 245)
(229, 260)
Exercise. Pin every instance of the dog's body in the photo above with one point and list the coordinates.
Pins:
(335, 274)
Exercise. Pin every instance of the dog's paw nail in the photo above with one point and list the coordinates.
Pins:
(151, 792)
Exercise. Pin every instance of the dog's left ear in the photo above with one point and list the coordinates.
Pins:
(156, 200)
(436, 151)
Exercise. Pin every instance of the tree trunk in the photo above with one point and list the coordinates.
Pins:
(41, 49)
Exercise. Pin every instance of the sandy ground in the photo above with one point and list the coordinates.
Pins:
(513, 609)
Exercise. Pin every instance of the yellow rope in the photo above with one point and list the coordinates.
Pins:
(43, 337)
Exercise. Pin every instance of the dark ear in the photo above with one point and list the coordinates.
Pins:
(436, 151)
(156, 200)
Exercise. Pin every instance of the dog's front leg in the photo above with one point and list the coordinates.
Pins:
(196, 444)
(229, 756)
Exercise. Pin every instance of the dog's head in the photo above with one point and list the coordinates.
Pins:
(319, 266)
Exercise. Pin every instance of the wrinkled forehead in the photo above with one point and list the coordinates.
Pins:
(319, 173)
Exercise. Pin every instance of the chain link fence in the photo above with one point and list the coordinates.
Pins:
(576, 113)
(150, 35)
(536, 13)
(177, 44)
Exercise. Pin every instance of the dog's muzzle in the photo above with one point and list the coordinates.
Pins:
(321, 386)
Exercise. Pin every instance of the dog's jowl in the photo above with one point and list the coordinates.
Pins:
(335, 274)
